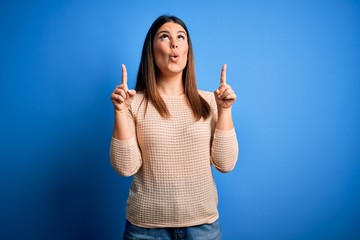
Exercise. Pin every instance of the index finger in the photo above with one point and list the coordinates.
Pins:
(223, 74)
(124, 74)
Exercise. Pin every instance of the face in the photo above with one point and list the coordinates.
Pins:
(171, 49)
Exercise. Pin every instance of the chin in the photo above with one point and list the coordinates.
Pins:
(176, 69)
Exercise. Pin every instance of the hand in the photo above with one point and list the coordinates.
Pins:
(224, 95)
(121, 97)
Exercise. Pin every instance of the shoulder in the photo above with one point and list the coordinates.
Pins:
(137, 102)
(139, 96)
(208, 96)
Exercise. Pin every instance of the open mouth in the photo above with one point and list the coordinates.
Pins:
(174, 57)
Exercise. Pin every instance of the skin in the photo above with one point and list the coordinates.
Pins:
(170, 53)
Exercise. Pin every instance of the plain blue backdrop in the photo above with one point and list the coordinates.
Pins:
(293, 64)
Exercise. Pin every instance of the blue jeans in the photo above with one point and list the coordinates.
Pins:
(201, 232)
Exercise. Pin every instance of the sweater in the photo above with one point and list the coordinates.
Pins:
(170, 161)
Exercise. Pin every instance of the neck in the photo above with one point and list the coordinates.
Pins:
(170, 85)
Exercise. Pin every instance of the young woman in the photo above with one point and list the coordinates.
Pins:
(167, 135)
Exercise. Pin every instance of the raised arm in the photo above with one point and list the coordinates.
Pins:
(121, 98)
(224, 149)
(225, 98)
(125, 155)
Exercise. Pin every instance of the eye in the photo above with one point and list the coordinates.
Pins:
(181, 37)
(164, 36)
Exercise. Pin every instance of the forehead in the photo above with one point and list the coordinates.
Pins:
(171, 27)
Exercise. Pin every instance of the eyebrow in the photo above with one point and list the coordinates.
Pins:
(166, 31)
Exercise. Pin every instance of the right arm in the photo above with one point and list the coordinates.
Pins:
(121, 99)
(125, 156)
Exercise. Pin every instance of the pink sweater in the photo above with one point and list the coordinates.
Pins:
(170, 161)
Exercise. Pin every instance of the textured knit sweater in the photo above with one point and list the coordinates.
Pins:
(170, 161)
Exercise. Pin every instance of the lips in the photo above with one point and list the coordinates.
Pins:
(174, 57)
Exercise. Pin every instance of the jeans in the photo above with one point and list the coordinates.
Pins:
(201, 232)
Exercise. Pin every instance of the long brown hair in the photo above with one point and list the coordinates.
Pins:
(146, 77)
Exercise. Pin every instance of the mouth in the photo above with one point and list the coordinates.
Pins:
(174, 57)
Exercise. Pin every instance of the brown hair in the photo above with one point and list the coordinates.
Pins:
(146, 77)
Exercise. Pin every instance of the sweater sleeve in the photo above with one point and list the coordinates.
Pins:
(224, 150)
(125, 155)
(224, 144)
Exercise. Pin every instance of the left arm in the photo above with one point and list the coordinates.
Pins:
(224, 150)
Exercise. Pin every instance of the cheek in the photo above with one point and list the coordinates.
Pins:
(185, 49)
(185, 52)
(159, 50)
(159, 55)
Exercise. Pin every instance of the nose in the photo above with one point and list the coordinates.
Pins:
(173, 45)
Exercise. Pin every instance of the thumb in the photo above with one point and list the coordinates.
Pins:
(131, 93)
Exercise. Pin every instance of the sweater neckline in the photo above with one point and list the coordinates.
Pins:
(173, 96)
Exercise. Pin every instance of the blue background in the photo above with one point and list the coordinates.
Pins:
(293, 64)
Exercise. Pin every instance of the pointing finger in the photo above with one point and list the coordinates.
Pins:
(124, 74)
(223, 75)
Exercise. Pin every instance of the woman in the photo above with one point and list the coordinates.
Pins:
(167, 134)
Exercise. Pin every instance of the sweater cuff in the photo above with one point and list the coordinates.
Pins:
(224, 133)
(124, 143)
